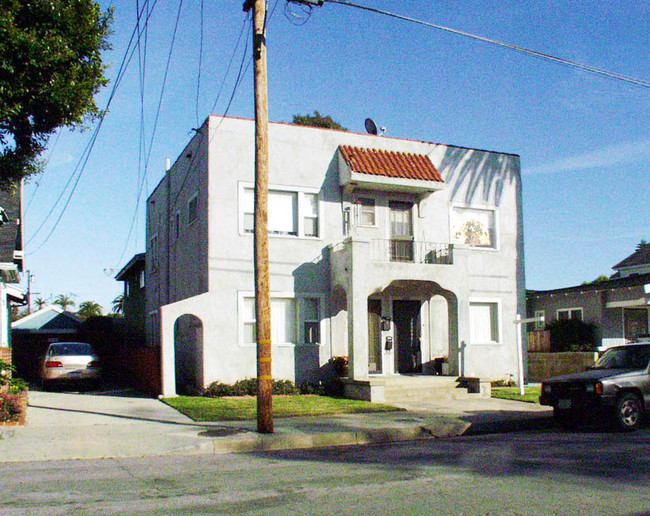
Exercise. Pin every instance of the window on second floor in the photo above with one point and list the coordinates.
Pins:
(193, 209)
(290, 213)
(365, 211)
(153, 248)
(474, 227)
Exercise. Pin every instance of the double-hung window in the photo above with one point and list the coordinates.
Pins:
(283, 320)
(310, 318)
(365, 211)
(290, 213)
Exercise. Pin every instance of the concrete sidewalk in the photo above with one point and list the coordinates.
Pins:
(88, 426)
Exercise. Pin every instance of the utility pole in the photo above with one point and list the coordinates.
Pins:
(261, 237)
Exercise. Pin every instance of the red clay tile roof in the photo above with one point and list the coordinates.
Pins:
(400, 165)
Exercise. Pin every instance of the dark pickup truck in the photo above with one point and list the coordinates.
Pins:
(616, 387)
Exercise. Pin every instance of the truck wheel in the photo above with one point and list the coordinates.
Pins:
(628, 412)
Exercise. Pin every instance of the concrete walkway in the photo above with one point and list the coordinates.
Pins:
(118, 424)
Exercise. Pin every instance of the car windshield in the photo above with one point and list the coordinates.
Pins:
(71, 348)
(627, 357)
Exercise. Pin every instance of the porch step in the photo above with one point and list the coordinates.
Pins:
(425, 388)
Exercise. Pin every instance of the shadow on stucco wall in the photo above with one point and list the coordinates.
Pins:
(478, 173)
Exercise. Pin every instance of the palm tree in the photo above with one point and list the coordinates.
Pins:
(39, 302)
(64, 301)
(89, 309)
(118, 304)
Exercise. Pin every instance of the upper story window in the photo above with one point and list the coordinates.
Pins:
(153, 248)
(366, 211)
(193, 209)
(474, 227)
(290, 213)
(564, 314)
(141, 279)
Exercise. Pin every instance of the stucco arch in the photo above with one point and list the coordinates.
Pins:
(188, 354)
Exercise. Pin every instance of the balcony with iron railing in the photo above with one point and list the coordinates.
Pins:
(412, 251)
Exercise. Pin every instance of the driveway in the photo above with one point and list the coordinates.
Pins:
(119, 423)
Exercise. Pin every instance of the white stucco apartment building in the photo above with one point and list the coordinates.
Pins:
(397, 254)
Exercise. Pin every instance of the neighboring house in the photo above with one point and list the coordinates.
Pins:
(619, 307)
(11, 262)
(391, 252)
(134, 302)
(34, 332)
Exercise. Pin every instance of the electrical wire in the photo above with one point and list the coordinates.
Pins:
(155, 126)
(549, 57)
(80, 167)
(47, 160)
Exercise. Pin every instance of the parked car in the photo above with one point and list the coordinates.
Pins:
(70, 363)
(616, 387)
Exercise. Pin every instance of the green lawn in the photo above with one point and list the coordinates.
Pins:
(531, 394)
(245, 408)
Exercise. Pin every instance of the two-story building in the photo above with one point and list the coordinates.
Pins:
(397, 254)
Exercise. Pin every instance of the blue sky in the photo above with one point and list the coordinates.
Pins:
(584, 140)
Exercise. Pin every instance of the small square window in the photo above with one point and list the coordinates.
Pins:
(366, 211)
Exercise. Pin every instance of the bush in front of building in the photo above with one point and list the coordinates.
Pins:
(572, 335)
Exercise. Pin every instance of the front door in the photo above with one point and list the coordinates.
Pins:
(406, 316)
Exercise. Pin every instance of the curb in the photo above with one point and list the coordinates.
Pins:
(510, 425)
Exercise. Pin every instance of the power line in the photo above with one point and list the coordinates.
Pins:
(80, 167)
(155, 126)
(541, 55)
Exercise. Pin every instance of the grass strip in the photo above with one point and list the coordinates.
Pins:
(245, 408)
(531, 394)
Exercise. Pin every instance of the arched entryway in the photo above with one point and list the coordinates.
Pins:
(188, 354)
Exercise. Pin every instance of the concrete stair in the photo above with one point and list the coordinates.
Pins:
(414, 388)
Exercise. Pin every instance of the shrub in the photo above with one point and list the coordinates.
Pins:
(7, 380)
(10, 407)
(248, 387)
(340, 365)
(572, 335)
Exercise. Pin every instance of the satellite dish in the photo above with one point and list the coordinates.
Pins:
(371, 127)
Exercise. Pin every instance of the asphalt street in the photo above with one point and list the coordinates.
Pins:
(545, 472)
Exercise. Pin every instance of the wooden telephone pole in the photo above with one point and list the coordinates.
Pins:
(262, 301)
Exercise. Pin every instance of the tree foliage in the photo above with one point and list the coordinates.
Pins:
(89, 309)
(118, 304)
(50, 70)
(64, 301)
(317, 120)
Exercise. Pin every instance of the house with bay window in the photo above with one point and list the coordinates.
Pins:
(400, 255)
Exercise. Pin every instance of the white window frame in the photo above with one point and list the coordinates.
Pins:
(499, 319)
(540, 325)
(360, 205)
(301, 299)
(569, 311)
(453, 229)
(298, 320)
(301, 210)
